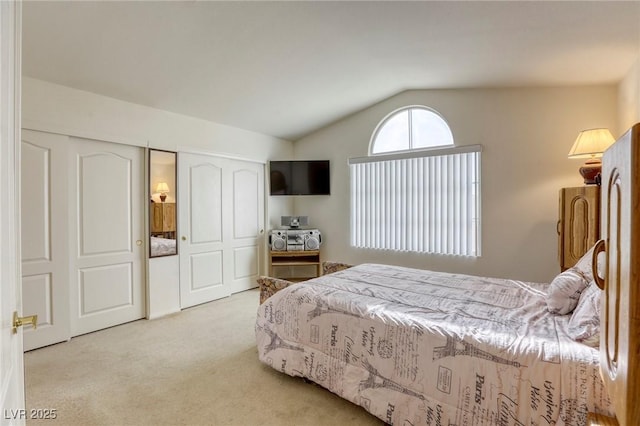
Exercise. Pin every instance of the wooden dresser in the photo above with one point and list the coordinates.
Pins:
(578, 223)
(163, 219)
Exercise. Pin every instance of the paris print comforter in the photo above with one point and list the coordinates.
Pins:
(417, 347)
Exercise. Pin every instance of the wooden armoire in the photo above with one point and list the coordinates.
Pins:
(578, 223)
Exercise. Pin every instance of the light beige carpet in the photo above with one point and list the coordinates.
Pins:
(198, 367)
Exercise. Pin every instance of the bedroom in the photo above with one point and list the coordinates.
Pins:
(544, 121)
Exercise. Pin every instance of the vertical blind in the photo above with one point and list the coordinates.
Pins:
(426, 202)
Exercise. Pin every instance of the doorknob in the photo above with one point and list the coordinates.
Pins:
(139, 242)
(20, 321)
(184, 238)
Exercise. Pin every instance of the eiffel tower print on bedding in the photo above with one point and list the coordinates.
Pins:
(417, 347)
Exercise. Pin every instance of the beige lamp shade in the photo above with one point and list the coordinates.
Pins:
(162, 188)
(591, 144)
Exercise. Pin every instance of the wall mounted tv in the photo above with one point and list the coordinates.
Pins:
(299, 177)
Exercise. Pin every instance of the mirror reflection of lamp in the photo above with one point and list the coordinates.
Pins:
(162, 188)
(591, 144)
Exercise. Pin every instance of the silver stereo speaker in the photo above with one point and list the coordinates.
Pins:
(312, 240)
(295, 240)
(278, 240)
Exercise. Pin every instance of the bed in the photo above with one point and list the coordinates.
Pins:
(162, 246)
(423, 347)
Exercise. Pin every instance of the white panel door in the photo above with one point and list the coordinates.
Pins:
(12, 401)
(107, 236)
(221, 226)
(246, 239)
(200, 215)
(45, 252)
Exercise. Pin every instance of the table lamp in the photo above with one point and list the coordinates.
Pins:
(591, 144)
(162, 188)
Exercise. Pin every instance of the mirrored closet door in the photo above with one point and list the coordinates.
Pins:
(162, 203)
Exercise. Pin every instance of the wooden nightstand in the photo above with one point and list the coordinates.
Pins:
(295, 258)
(163, 219)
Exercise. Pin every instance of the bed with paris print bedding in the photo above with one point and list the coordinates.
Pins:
(417, 347)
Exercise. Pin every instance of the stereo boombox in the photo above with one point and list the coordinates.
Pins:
(295, 239)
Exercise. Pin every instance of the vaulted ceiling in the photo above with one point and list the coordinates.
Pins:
(288, 68)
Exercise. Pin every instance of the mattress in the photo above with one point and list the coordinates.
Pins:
(422, 347)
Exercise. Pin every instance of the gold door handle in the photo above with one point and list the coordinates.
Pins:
(184, 238)
(20, 321)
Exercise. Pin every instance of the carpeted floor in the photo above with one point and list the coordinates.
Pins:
(198, 367)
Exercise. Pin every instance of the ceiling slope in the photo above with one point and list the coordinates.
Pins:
(288, 68)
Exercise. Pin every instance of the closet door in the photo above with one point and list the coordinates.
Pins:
(221, 226)
(245, 238)
(106, 244)
(45, 266)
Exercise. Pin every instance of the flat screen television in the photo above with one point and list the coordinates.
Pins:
(299, 177)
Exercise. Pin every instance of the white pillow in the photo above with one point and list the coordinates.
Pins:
(584, 325)
(584, 265)
(564, 291)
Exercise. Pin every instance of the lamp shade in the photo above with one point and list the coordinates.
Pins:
(162, 187)
(591, 143)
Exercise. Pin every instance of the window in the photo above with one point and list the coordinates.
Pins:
(410, 128)
(416, 191)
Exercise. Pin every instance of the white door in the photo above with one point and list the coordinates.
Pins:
(12, 399)
(45, 252)
(221, 215)
(245, 238)
(106, 235)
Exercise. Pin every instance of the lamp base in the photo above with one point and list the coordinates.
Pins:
(163, 197)
(590, 171)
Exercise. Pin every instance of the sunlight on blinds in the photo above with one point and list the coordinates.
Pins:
(427, 204)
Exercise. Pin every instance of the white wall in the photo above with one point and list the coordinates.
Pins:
(629, 97)
(57, 109)
(64, 110)
(526, 135)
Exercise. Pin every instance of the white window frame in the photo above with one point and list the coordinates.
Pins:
(424, 200)
(392, 114)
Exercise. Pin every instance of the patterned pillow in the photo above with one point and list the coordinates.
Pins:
(584, 325)
(564, 291)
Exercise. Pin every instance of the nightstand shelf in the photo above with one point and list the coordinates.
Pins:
(295, 258)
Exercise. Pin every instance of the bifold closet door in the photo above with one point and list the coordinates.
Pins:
(106, 244)
(221, 215)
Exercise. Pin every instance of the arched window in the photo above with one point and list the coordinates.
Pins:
(416, 191)
(409, 128)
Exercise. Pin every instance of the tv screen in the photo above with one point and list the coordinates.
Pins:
(299, 177)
